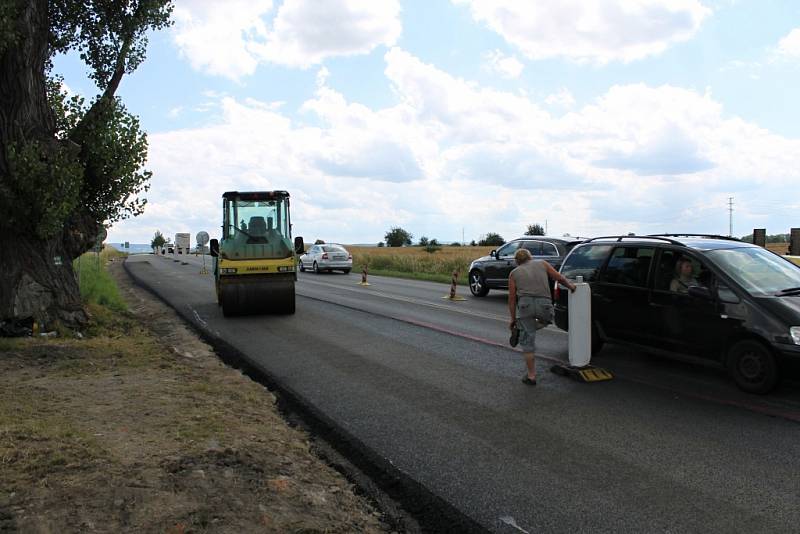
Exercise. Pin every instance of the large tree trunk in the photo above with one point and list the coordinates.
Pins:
(36, 276)
(37, 280)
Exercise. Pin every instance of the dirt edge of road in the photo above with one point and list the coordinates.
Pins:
(406, 504)
(139, 427)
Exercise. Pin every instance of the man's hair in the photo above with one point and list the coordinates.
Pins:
(522, 255)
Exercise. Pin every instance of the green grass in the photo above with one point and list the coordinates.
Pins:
(97, 286)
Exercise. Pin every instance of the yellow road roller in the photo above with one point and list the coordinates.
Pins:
(255, 260)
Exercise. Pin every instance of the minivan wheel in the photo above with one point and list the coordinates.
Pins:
(477, 284)
(753, 367)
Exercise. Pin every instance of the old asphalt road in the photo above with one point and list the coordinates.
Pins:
(429, 386)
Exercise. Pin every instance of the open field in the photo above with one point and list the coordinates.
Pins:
(415, 262)
(780, 248)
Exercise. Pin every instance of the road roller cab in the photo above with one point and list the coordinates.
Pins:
(255, 260)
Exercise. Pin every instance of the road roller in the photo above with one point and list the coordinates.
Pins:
(255, 260)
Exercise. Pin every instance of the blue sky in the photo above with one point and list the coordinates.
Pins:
(601, 117)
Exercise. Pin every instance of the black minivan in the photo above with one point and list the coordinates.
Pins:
(707, 297)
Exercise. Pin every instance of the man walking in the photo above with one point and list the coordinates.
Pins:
(530, 304)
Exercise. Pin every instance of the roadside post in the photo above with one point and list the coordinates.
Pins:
(760, 237)
(201, 239)
(453, 283)
(580, 338)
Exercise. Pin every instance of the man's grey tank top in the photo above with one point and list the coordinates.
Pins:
(531, 279)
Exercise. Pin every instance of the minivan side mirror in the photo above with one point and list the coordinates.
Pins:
(700, 292)
(213, 247)
(299, 246)
(493, 254)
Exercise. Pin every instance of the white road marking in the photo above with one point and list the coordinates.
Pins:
(199, 319)
(508, 520)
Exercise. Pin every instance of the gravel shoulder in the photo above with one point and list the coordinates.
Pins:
(139, 427)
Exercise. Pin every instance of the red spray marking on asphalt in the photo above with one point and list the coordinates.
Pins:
(765, 410)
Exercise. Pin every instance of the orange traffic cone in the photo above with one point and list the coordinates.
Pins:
(453, 283)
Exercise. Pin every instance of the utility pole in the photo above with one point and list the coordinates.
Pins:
(545, 227)
(730, 216)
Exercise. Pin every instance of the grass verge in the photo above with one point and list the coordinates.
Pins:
(96, 284)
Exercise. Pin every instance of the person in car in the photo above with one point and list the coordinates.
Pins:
(530, 304)
(684, 277)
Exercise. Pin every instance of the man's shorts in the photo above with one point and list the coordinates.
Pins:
(533, 313)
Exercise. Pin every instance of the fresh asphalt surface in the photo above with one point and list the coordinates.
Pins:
(432, 386)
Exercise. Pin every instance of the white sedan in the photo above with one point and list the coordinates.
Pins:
(327, 257)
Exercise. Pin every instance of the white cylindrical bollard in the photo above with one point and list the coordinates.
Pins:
(580, 324)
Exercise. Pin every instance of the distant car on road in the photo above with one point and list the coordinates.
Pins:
(327, 257)
(491, 272)
(708, 298)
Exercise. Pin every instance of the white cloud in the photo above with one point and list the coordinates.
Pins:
(217, 37)
(562, 98)
(305, 32)
(231, 38)
(789, 46)
(507, 67)
(598, 30)
(450, 154)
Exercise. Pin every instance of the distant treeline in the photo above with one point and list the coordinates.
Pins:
(776, 238)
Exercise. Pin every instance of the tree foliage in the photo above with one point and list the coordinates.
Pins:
(158, 240)
(397, 237)
(84, 157)
(491, 239)
(774, 238)
(535, 229)
(432, 246)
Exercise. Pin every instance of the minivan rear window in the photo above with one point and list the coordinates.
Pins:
(585, 261)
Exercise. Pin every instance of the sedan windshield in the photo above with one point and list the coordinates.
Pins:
(333, 248)
(757, 270)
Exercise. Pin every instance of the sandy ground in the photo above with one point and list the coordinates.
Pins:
(138, 427)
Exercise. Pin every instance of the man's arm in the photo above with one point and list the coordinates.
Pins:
(555, 275)
(512, 300)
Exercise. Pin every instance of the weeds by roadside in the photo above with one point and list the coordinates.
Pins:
(96, 284)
